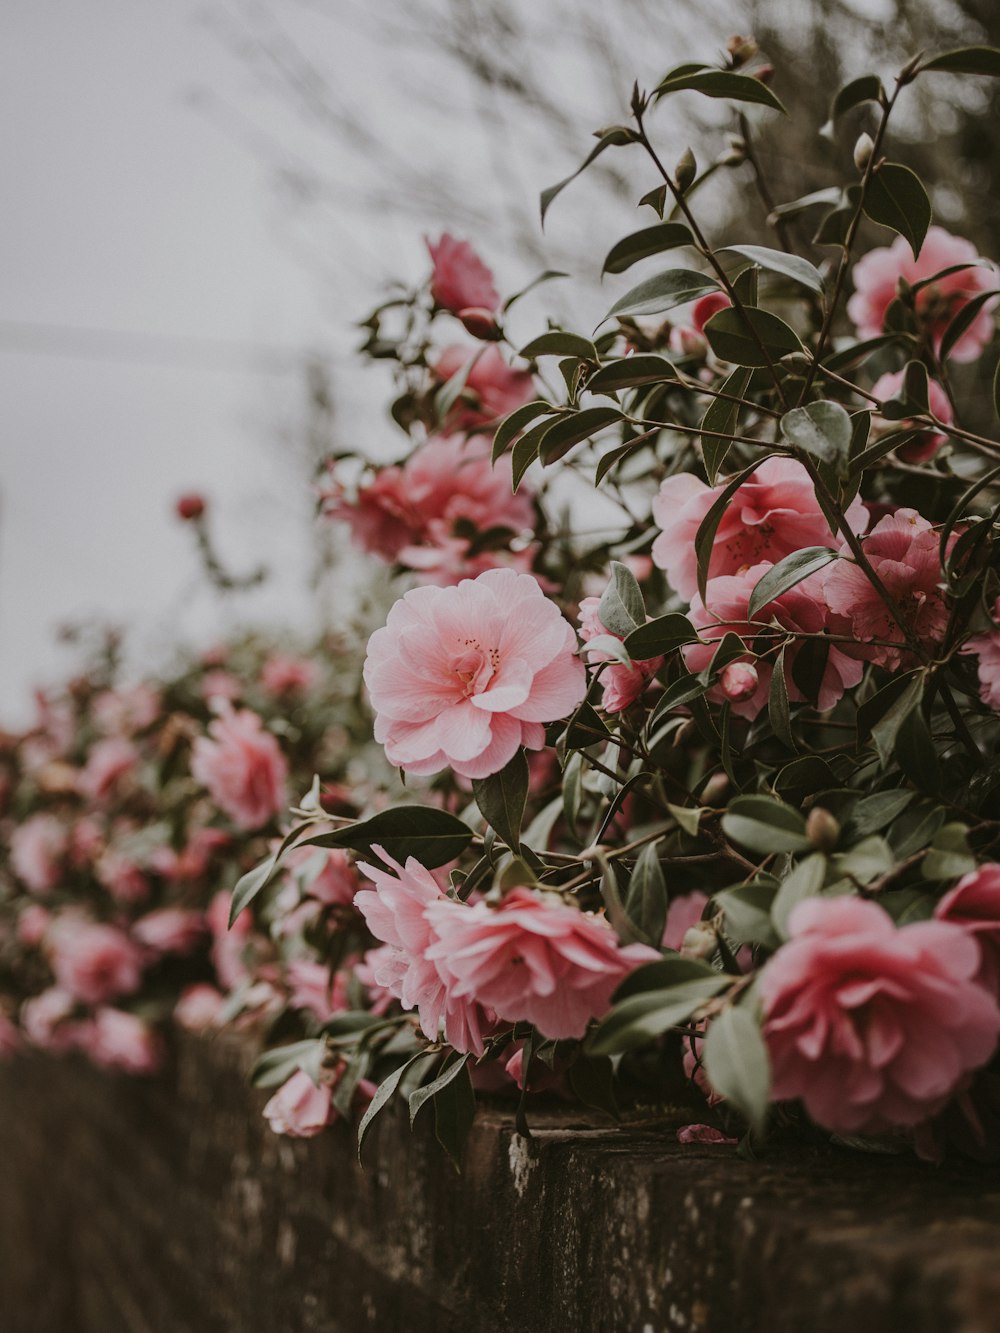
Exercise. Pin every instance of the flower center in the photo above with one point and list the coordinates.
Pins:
(475, 666)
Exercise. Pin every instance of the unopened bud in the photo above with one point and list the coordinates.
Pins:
(714, 789)
(863, 150)
(685, 171)
(739, 681)
(190, 507)
(480, 322)
(741, 49)
(700, 941)
(822, 829)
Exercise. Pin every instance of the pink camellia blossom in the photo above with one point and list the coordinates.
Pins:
(110, 761)
(324, 874)
(242, 767)
(974, 904)
(283, 674)
(122, 876)
(622, 685)
(903, 550)
(86, 842)
(299, 1108)
(929, 441)
(682, 914)
(127, 710)
(119, 1040)
(871, 1025)
(801, 609)
(37, 849)
(32, 925)
(382, 960)
(221, 685)
(171, 930)
(773, 513)
(460, 677)
(48, 1023)
(460, 279)
(533, 960)
(987, 648)
(198, 1007)
(311, 987)
(193, 860)
(396, 911)
(492, 388)
(877, 274)
(419, 513)
(92, 961)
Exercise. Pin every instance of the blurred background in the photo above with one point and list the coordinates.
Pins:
(203, 200)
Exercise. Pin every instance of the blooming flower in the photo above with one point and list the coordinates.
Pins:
(198, 1007)
(171, 930)
(622, 685)
(284, 674)
(987, 648)
(528, 959)
(974, 904)
(903, 551)
(873, 1026)
(243, 768)
(37, 848)
(119, 1040)
(492, 388)
(109, 761)
(876, 277)
(46, 1020)
(130, 709)
(300, 1109)
(460, 677)
(311, 987)
(460, 279)
(92, 961)
(928, 442)
(773, 513)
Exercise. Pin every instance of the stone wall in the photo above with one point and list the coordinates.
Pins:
(167, 1206)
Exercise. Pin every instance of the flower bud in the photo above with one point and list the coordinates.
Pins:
(715, 789)
(480, 322)
(685, 170)
(700, 941)
(190, 507)
(863, 150)
(741, 49)
(739, 681)
(822, 829)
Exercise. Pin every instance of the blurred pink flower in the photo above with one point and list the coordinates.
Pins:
(987, 648)
(127, 710)
(198, 1007)
(284, 674)
(683, 913)
(799, 609)
(622, 685)
(122, 876)
(176, 930)
(37, 849)
(903, 550)
(974, 904)
(109, 762)
(324, 874)
(528, 959)
(242, 767)
(704, 1134)
(221, 685)
(877, 274)
(773, 513)
(119, 1040)
(229, 943)
(311, 987)
(492, 388)
(460, 279)
(300, 1109)
(929, 441)
(873, 1026)
(46, 1021)
(11, 1040)
(92, 961)
(32, 925)
(460, 677)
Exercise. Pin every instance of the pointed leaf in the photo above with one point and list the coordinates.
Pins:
(643, 244)
(823, 430)
(630, 371)
(560, 436)
(622, 608)
(616, 137)
(502, 798)
(432, 836)
(748, 339)
(664, 291)
(895, 198)
(777, 261)
(557, 342)
(789, 571)
(981, 60)
(512, 426)
(737, 1064)
(660, 636)
(722, 416)
(720, 83)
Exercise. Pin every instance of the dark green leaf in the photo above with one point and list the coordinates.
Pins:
(561, 435)
(866, 88)
(750, 338)
(280, 1063)
(983, 60)
(592, 1080)
(558, 342)
(419, 1097)
(615, 137)
(659, 636)
(765, 826)
(525, 451)
(642, 1018)
(789, 571)
(643, 244)
(383, 1094)
(961, 321)
(747, 911)
(777, 704)
(622, 608)
(905, 700)
(430, 835)
(896, 199)
(671, 970)
(722, 415)
(737, 1065)
(720, 83)
(915, 753)
(512, 426)
(805, 881)
(646, 901)
(950, 855)
(501, 798)
(873, 813)
(454, 1112)
(663, 291)
(778, 261)
(585, 729)
(630, 371)
(823, 430)
(704, 540)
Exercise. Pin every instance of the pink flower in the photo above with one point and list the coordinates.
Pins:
(326, 875)
(46, 1021)
(903, 551)
(108, 763)
(300, 1109)
(176, 930)
(127, 710)
(974, 904)
(383, 960)
(460, 677)
(739, 681)
(32, 925)
(682, 914)
(396, 911)
(531, 960)
(492, 388)
(220, 685)
(119, 1040)
(877, 274)
(243, 768)
(311, 987)
(929, 441)
(122, 876)
(987, 648)
(773, 513)
(622, 685)
(284, 674)
(873, 1026)
(92, 961)
(198, 1007)
(801, 609)
(37, 849)
(460, 279)
(192, 861)
(229, 943)
(11, 1041)
(704, 1134)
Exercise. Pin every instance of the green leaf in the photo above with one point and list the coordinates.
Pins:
(547, 276)
(254, 881)
(777, 261)
(512, 426)
(671, 970)
(950, 855)
(874, 813)
(720, 83)
(982, 60)
(731, 339)
(908, 694)
(805, 881)
(646, 900)
(586, 729)
(737, 1065)
(502, 797)
(688, 817)
(557, 342)
(622, 608)
(630, 371)
(823, 430)
(765, 826)
(895, 198)
(777, 704)
(704, 540)
(281, 1062)
(559, 437)
(616, 137)
(866, 860)
(432, 836)
(660, 636)
(592, 1080)
(747, 911)
(663, 291)
(640, 1019)
(866, 88)
(383, 1094)
(722, 415)
(525, 451)
(419, 1097)
(643, 244)
(454, 1112)
(453, 388)
(789, 571)
(962, 320)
